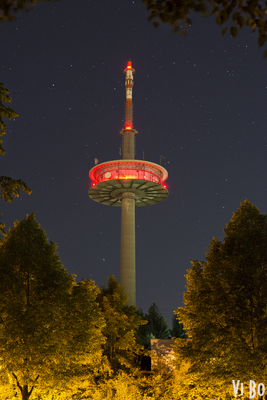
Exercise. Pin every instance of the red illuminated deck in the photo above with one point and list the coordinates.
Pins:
(113, 178)
(128, 169)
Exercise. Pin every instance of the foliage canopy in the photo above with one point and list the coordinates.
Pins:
(5, 112)
(225, 303)
(177, 329)
(8, 9)
(155, 328)
(50, 326)
(8, 186)
(157, 325)
(250, 13)
(122, 321)
(11, 187)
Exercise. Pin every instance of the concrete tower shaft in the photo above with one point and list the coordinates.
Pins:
(128, 143)
(127, 257)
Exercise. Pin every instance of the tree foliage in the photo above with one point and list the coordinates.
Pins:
(156, 327)
(8, 9)
(189, 386)
(225, 303)
(236, 14)
(8, 186)
(11, 187)
(5, 112)
(177, 329)
(122, 321)
(50, 326)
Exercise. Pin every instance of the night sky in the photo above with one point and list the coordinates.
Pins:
(200, 101)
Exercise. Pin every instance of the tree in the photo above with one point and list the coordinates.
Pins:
(8, 187)
(190, 386)
(5, 112)
(11, 187)
(122, 322)
(251, 13)
(9, 8)
(225, 305)
(143, 334)
(177, 329)
(50, 326)
(156, 327)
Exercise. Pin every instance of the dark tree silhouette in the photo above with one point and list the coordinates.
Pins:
(235, 14)
(177, 329)
(9, 8)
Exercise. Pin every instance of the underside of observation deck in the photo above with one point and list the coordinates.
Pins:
(110, 192)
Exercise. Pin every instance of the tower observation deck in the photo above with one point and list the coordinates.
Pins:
(128, 183)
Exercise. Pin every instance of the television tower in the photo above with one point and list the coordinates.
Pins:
(128, 183)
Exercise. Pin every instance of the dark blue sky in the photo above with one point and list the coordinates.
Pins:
(199, 100)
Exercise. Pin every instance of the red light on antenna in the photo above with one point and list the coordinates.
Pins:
(93, 184)
(129, 65)
(164, 187)
(128, 128)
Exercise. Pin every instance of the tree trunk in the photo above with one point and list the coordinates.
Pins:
(25, 393)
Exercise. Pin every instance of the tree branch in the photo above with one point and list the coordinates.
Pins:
(18, 385)
(35, 380)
